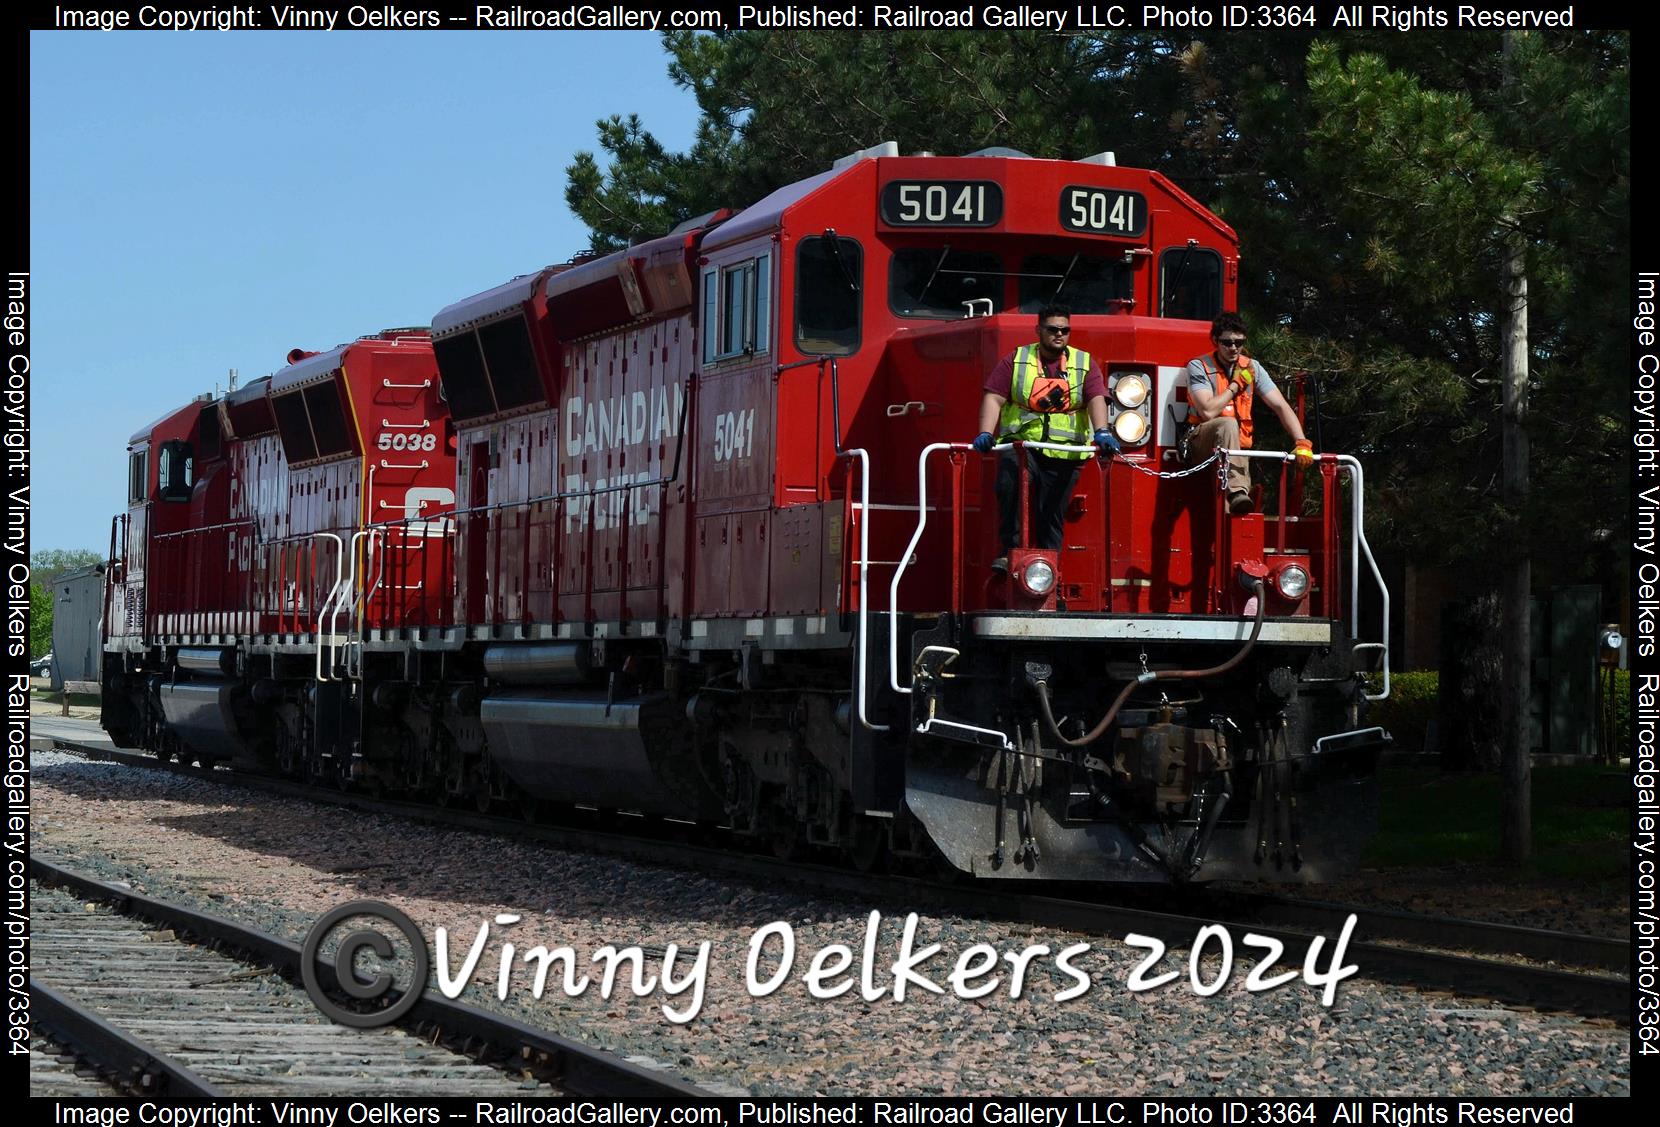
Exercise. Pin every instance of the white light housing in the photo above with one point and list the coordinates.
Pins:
(1131, 390)
(1292, 581)
(1038, 577)
(1130, 428)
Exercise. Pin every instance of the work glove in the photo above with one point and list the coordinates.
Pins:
(1304, 452)
(1245, 374)
(1106, 442)
(983, 442)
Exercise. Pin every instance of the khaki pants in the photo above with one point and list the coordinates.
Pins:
(1222, 431)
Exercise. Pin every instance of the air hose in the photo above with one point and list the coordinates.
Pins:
(1100, 729)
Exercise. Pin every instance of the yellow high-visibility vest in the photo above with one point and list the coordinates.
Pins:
(1033, 412)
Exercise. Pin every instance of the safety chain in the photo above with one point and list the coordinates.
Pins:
(1214, 459)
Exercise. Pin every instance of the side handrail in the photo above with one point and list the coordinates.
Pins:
(360, 602)
(577, 494)
(346, 592)
(187, 532)
(440, 526)
(334, 593)
(862, 456)
(115, 571)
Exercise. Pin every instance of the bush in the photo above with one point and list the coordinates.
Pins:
(40, 620)
(1411, 706)
(1622, 710)
(1409, 709)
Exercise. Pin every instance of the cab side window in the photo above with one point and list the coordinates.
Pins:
(737, 309)
(177, 470)
(829, 281)
(138, 477)
(1190, 283)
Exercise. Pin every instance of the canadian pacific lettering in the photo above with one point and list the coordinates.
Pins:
(622, 423)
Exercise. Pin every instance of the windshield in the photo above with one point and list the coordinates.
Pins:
(937, 281)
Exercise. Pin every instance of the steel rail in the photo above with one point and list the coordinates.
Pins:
(1445, 932)
(579, 1069)
(125, 1059)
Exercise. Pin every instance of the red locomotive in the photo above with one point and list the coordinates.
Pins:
(692, 530)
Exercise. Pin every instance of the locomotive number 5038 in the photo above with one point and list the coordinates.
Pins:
(400, 441)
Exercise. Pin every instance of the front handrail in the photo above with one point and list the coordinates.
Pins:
(1358, 545)
(906, 556)
(1358, 548)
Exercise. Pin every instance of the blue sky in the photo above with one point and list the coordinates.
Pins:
(206, 202)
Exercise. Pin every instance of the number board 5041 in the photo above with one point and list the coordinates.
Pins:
(1103, 211)
(941, 203)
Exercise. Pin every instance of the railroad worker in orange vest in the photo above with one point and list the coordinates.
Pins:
(1222, 389)
(1047, 391)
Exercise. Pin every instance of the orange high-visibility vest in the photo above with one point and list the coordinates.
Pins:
(1237, 408)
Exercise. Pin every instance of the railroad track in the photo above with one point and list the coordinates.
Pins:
(1447, 933)
(55, 1072)
(158, 1016)
(1464, 957)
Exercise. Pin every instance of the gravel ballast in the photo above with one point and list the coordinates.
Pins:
(278, 864)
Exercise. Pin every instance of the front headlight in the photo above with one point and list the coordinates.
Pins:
(1292, 581)
(1130, 428)
(1131, 390)
(1038, 577)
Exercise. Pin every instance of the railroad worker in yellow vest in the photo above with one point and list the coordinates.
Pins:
(1222, 390)
(1043, 392)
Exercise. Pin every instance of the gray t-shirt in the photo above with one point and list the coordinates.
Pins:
(1198, 377)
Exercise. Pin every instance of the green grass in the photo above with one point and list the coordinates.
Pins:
(1430, 817)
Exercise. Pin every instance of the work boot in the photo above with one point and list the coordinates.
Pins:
(1239, 503)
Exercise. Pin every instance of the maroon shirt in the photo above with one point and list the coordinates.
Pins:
(1001, 380)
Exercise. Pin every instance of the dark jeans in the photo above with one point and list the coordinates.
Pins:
(1052, 480)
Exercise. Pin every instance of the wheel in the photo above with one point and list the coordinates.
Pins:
(867, 845)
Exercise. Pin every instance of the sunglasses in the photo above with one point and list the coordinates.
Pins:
(1058, 330)
(1232, 342)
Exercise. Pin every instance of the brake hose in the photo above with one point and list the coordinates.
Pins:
(1096, 732)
